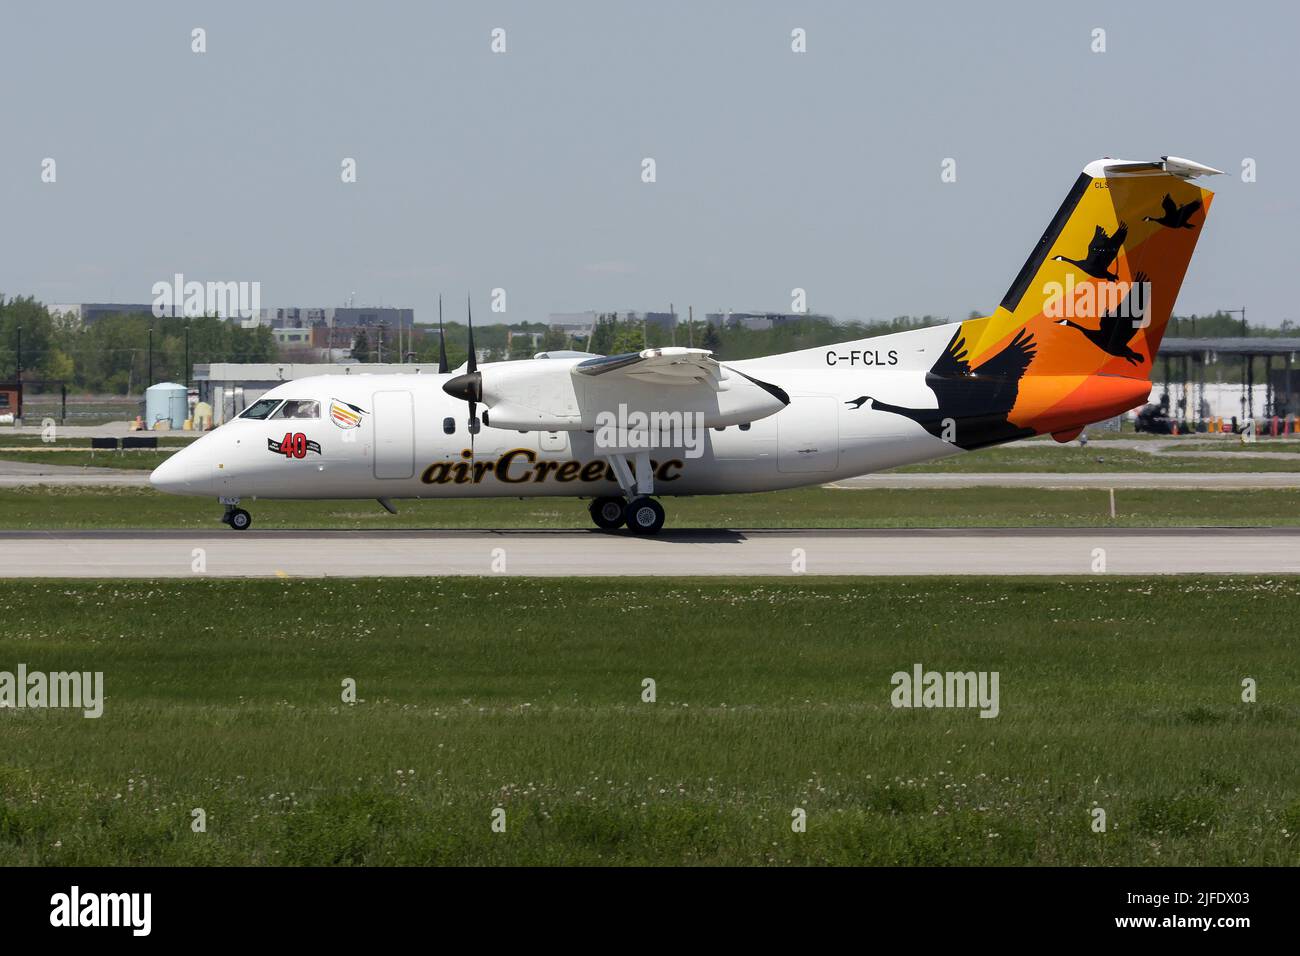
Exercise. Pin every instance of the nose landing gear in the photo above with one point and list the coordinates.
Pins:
(236, 517)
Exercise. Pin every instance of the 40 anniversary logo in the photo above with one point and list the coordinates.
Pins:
(527, 468)
(293, 445)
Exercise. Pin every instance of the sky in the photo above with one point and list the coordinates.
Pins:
(523, 170)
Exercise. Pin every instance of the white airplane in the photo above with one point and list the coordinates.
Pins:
(1072, 343)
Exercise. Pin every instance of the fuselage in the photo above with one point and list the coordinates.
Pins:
(412, 441)
(402, 436)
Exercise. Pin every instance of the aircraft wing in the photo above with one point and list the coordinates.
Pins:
(666, 366)
(568, 395)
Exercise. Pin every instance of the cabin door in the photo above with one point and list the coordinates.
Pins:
(394, 414)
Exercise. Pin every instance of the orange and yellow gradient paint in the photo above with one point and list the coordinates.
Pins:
(1154, 218)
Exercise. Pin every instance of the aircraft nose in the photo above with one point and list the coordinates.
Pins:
(177, 475)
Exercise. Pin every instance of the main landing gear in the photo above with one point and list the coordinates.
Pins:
(607, 512)
(642, 514)
(236, 517)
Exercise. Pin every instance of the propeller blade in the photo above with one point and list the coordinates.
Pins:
(474, 387)
(443, 367)
(468, 386)
(469, 318)
(473, 431)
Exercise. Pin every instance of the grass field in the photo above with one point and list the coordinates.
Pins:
(65, 508)
(133, 460)
(35, 442)
(1030, 457)
(1036, 457)
(93, 410)
(526, 695)
(1233, 443)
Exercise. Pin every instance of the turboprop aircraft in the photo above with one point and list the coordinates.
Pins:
(1072, 342)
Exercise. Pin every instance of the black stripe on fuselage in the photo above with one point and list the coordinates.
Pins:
(1040, 251)
(776, 391)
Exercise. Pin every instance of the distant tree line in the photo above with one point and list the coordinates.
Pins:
(112, 355)
(1222, 325)
(612, 335)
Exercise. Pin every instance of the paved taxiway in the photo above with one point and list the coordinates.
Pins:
(177, 554)
(24, 474)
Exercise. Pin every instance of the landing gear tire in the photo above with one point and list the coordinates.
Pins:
(607, 512)
(238, 518)
(644, 516)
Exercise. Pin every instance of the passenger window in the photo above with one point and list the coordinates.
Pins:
(449, 426)
(260, 409)
(296, 408)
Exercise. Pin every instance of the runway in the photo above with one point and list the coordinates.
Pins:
(315, 554)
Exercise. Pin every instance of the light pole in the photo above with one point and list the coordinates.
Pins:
(1247, 370)
(1244, 331)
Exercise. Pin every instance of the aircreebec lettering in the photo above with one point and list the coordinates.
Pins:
(862, 357)
(520, 466)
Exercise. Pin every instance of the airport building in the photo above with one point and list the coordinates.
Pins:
(579, 325)
(1185, 372)
(11, 400)
(88, 313)
(756, 321)
(289, 317)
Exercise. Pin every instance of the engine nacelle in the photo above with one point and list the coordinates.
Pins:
(547, 395)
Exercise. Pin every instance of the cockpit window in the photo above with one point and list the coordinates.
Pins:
(260, 409)
(298, 408)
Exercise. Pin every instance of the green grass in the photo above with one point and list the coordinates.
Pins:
(98, 411)
(1075, 460)
(34, 441)
(1024, 457)
(526, 695)
(1127, 433)
(73, 508)
(1233, 443)
(1031, 457)
(133, 460)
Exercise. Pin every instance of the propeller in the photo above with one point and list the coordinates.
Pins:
(469, 386)
(443, 368)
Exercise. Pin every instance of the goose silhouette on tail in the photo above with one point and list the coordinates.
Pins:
(972, 406)
(1118, 327)
(1175, 216)
(1101, 253)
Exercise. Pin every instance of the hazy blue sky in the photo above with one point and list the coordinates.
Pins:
(523, 170)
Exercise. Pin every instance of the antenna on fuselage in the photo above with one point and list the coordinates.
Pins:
(443, 368)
